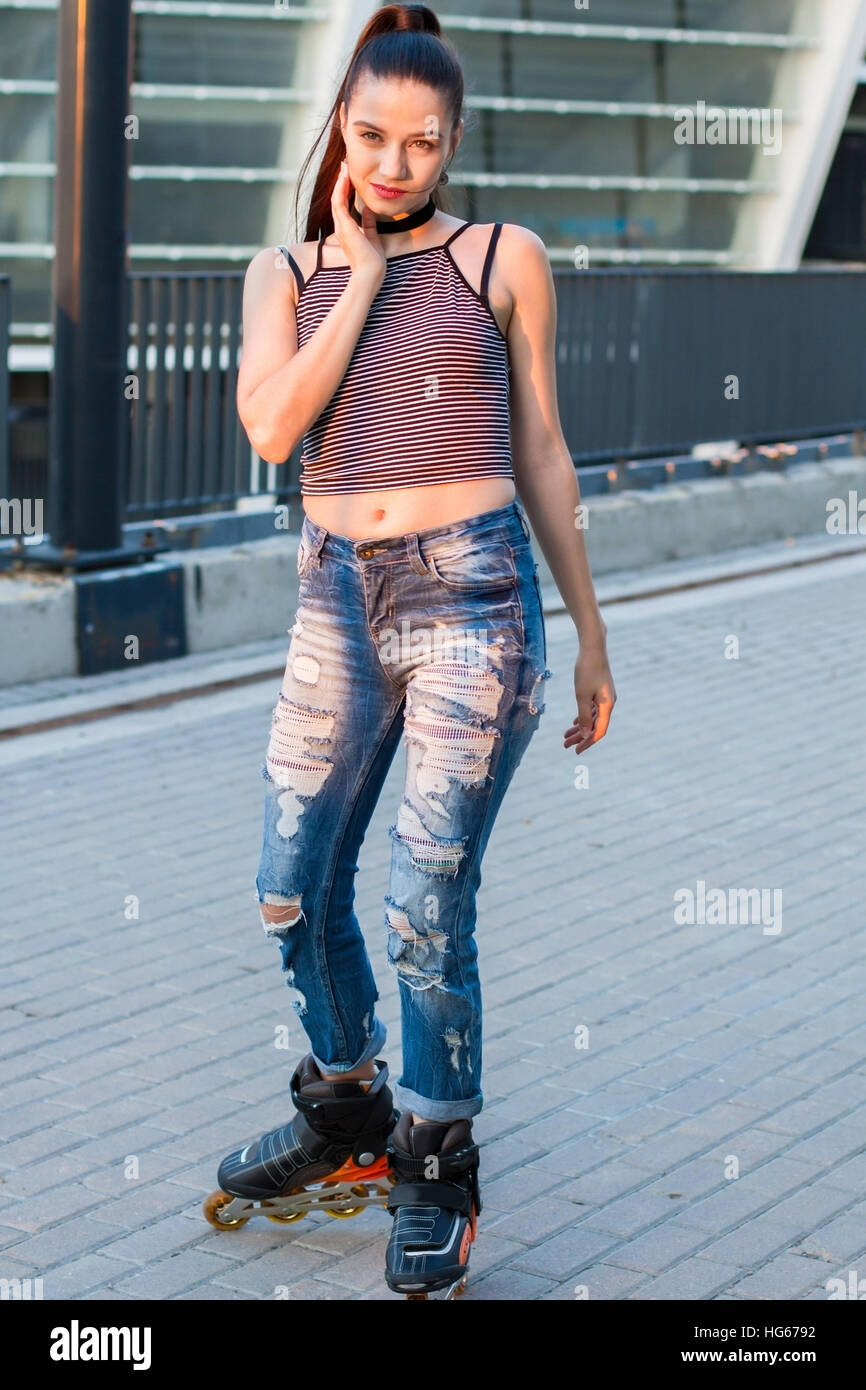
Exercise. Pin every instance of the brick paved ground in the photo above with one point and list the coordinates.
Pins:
(709, 1143)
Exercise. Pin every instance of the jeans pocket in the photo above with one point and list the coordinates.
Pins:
(468, 568)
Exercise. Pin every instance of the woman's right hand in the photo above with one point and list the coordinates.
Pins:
(361, 245)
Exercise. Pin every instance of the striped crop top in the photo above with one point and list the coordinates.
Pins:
(425, 397)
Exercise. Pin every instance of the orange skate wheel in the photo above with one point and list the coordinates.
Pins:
(213, 1205)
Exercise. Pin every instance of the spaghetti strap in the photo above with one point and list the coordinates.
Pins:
(295, 267)
(319, 246)
(456, 234)
(488, 260)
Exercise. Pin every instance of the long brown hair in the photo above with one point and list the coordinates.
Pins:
(398, 41)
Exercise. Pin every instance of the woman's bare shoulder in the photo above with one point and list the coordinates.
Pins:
(271, 269)
(519, 240)
(304, 256)
(524, 263)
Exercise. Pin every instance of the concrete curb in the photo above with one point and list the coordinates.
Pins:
(246, 593)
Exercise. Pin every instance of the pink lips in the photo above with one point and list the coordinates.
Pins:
(386, 192)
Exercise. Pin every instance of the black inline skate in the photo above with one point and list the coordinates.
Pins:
(435, 1204)
(337, 1141)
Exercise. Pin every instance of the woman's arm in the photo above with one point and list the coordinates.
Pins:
(282, 391)
(544, 473)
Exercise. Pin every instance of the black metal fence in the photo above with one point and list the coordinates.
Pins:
(186, 446)
(655, 361)
(649, 362)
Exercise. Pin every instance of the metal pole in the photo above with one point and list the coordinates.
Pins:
(89, 276)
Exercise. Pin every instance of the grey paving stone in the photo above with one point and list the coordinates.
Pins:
(43, 1211)
(694, 1279)
(574, 1159)
(117, 1113)
(690, 1180)
(291, 1262)
(570, 1250)
(850, 1175)
(25, 1120)
(341, 1237)
(780, 1175)
(604, 1182)
(634, 1127)
(516, 1189)
(803, 1211)
(726, 1208)
(601, 1281)
(751, 1148)
(627, 1216)
(787, 1276)
(806, 1115)
(750, 1244)
(42, 1177)
(139, 1204)
(166, 1278)
(162, 1238)
(518, 1112)
(212, 1293)
(533, 1221)
(617, 1098)
(505, 1154)
(838, 1240)
(666, 1244)
(76, 1236)
(667, 1150)
(831, 1145)
(507, 1285)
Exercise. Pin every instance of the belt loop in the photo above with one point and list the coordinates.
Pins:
(526, 530)
(416, 559)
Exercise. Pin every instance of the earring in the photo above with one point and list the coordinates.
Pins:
(443, 177)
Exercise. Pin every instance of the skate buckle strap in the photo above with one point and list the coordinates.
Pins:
(427, 1194)
(452, 1164)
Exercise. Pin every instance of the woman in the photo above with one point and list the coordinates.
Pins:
(411, 351)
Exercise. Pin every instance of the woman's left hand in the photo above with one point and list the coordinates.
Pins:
(596, 697)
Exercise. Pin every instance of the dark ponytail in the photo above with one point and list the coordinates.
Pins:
(398, 41)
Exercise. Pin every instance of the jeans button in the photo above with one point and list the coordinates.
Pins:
(365, 552)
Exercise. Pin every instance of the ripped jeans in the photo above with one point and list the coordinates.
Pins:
(436, 638)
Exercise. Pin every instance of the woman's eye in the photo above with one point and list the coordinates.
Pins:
(425, 144)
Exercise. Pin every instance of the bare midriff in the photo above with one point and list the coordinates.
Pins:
(400, 511)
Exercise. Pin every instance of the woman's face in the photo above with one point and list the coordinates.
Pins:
(398, 141)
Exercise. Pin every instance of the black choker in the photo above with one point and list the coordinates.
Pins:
(401, 224)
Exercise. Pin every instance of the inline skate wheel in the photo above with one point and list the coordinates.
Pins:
(214, 1204)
